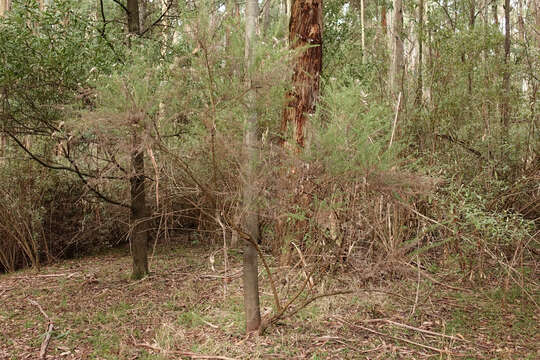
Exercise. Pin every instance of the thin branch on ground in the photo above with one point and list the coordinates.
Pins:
(50, 327)
(440, 351)
(181, 353)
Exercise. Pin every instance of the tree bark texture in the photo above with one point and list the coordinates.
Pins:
(139, 210)
(250, 221)
(397, 71)
(383, 19)
(305, 32)
(494, 8)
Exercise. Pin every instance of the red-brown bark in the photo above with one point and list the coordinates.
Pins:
(305, 32)
(383, 19)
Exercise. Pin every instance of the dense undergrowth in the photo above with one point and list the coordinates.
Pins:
(448, 187)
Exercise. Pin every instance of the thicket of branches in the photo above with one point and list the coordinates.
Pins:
(454, 178)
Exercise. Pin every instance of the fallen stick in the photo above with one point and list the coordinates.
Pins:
(429, 332)
(50, 327)
(181, 353)
(440, 351)
(45, 343)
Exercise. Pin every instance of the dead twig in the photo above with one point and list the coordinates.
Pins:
(50, 327)
(68, 275)
(417, 288)
(311, 283)
(429, 332)
(398, 106)
(440, 351)
(181, 353)
(225, 255)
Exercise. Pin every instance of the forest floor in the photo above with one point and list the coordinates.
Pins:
(183, 310)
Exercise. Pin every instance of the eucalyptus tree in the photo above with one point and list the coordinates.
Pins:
(306, 36)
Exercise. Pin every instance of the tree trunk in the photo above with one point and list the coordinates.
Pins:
(537, 20)
(397, 71)
(495, 13)
(142, 14)
(139, 210)
(362, 19)
(383, 19)
(506, 73)
(250, 266)
(4, 7)
(420, 84)
(472, 20)
(266, 17)
(305, 29)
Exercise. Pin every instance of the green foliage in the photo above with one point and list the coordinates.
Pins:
(46, 57)
(352, 132)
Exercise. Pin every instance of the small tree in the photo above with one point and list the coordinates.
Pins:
(251, 282)
(139, 210)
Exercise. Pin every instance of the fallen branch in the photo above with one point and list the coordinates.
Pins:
(181, 353)
(440, 351)
(429, 332)
(50, 327)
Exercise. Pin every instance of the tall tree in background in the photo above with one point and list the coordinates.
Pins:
(397, 69)
(251, 225)
(537, 20)
(44, 3)
(4, 6)
(506, 73)
(383, 19)
(420, 83)
(139, 209)
(305, 32)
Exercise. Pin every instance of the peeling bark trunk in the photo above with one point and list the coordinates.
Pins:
(251, 225)
(139, 210)
(305, 30)
(384, 26)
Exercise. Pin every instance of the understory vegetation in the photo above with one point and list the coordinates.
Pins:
(406, 225)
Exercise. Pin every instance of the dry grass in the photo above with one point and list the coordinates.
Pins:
(98, 313)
